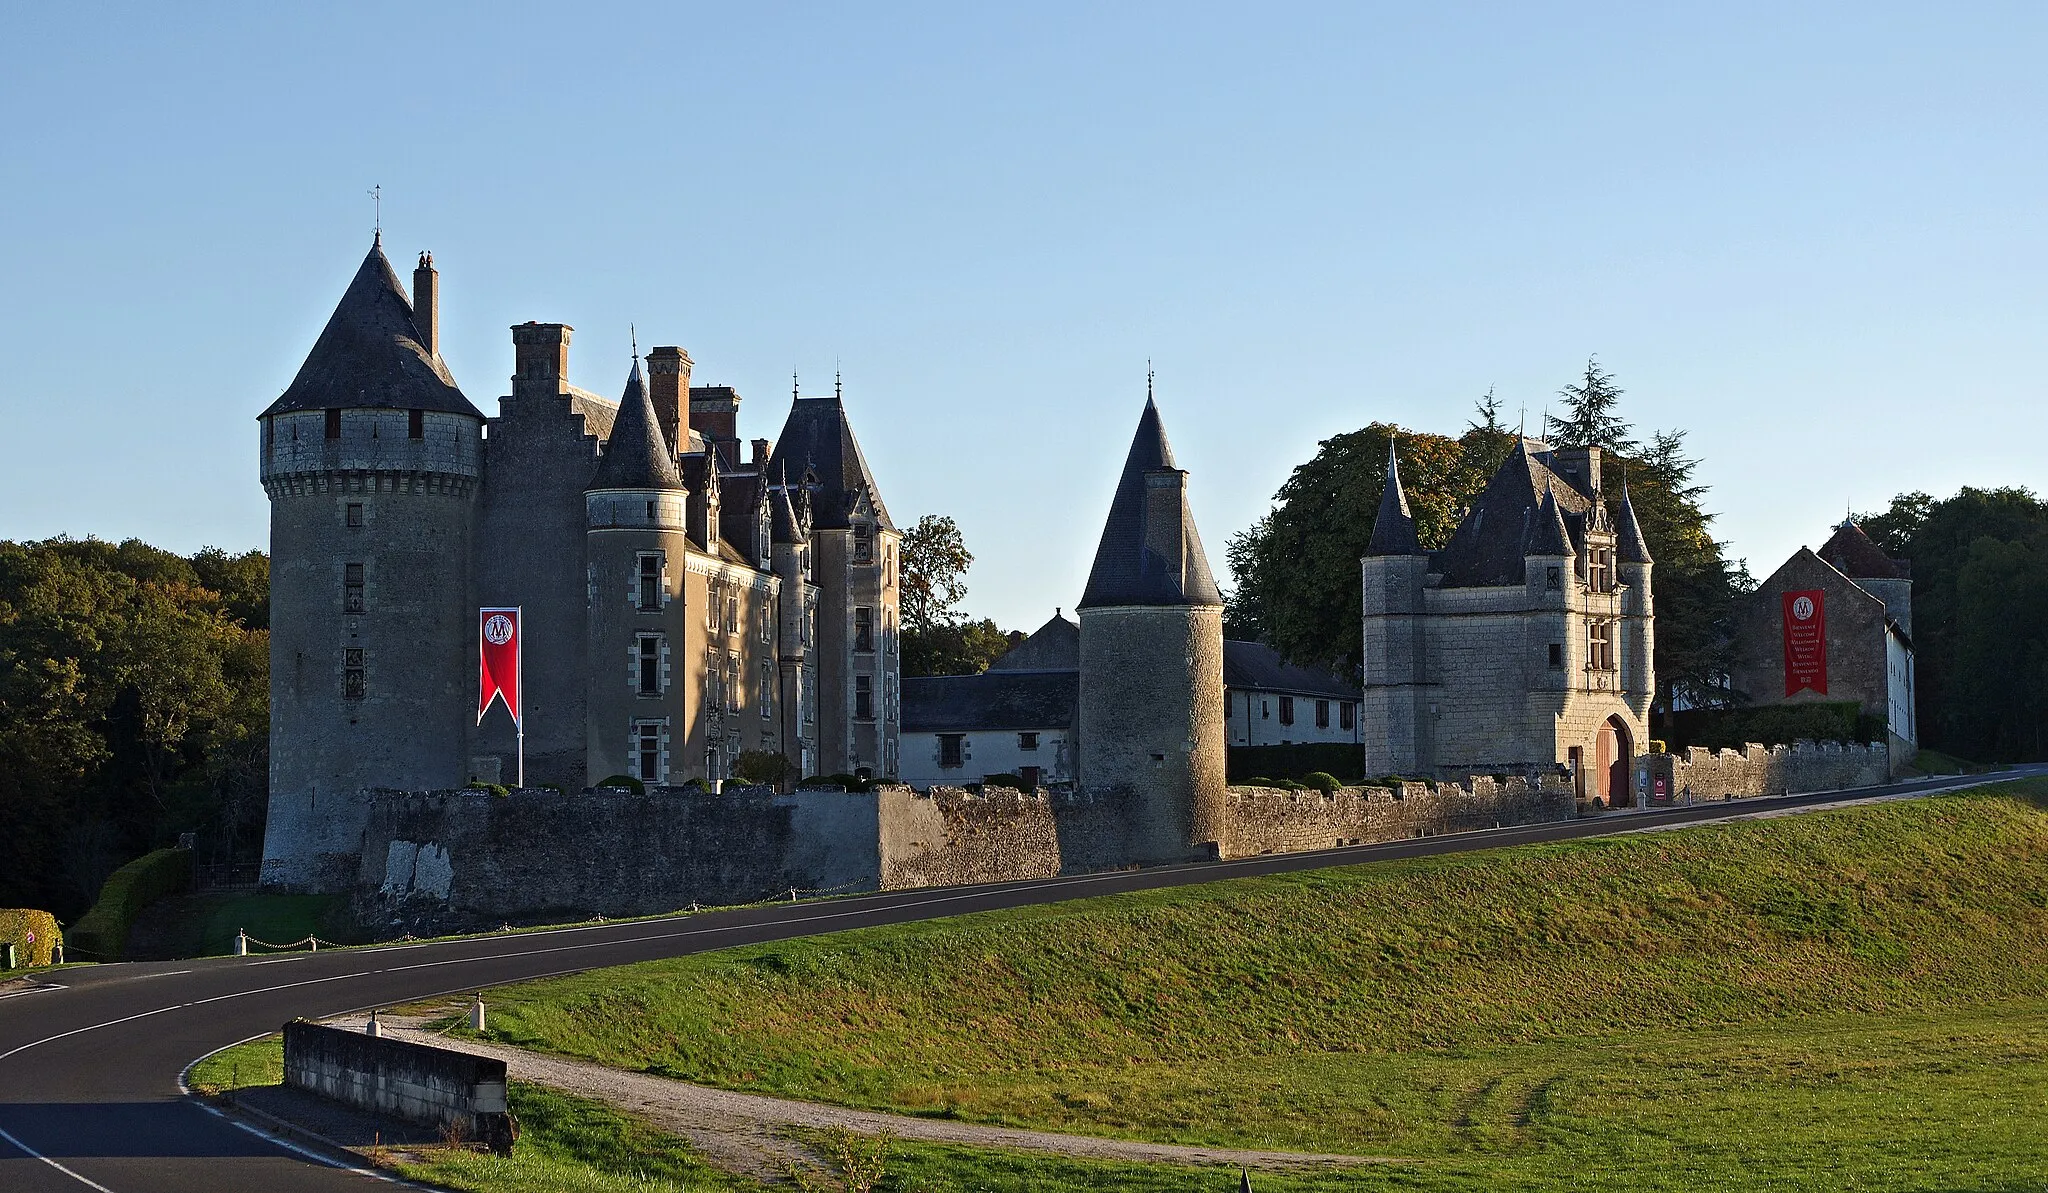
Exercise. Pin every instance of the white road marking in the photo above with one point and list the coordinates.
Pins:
(33, 1154)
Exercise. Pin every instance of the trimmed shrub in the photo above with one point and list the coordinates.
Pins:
(762, 766)
(626, 781)
(102, 933)
(19, 924)
(850, 782)
(1775, 725)
(1322, 781)
(497, 789)
(1295, 761)
(1011, 781)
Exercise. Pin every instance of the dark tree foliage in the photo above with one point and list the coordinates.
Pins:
(955, 648)
(936, 639)
(1589, 418)
(1980, 617)
(134, 704)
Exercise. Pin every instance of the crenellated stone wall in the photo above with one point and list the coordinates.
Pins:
(1272, 820)
(1756, 769)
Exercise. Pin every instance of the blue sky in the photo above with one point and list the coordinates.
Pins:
(1812, 236)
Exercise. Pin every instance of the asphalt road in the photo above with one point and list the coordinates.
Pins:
(89, 1093)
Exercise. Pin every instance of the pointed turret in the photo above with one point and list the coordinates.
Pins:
(1547, 534)
(373, 355)
(1629, 546)
(636, 457)
(1150, 553)
(1393, 531)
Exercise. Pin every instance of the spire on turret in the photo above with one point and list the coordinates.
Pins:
(1548, 535)
(1150, 553)
(1393, 531)
(636, 456)
(1629, 546)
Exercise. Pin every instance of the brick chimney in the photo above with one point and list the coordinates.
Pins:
(715, 414)
(540, 358)
(760, 458)
(668, 385)
(426, 304)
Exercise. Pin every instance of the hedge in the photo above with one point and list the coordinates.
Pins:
(1775, 725)
(101, 934)
(1346, 760)
(18, 923)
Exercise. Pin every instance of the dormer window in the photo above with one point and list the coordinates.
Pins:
(863, 543)
(334, 424)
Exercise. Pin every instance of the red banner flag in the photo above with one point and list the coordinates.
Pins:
(1806, 642)
(497, 642)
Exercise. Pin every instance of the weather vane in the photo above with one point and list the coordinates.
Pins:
(377, 198)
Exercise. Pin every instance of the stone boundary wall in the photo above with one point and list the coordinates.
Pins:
(1273, 820)
(1757, 769)
(435, 1087)
(950, 836)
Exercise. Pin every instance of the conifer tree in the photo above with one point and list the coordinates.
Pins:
(1589, 419)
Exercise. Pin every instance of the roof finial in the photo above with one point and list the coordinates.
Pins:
(1148, 378)
(634, 332)
(792, 385)
(838, 391)
(377, 198)
(1522, 422)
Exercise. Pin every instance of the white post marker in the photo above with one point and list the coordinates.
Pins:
(476, 1014)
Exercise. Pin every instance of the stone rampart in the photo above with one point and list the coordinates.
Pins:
(950, 836)
(1755, 769)
(1272, 820)
(435, 1087)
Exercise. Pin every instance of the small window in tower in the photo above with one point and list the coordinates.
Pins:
(864, 697)
(863, 628)
(647, 673)
(352, 588)
(650, 511)
(334, 424)
(950, 754)
(415, 424)
(1322, 714)
(1347, 715)
(352, 683)
(1287, 710)
(355, 515)
(1557, 654)
(863, 543)
(767, 690)
(649, 595)
(1553, 578)
(1027, 741)
(647, 752)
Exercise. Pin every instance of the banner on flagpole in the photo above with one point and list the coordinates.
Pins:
(497, 638)
(1806, 641)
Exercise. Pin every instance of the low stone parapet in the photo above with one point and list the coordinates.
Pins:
(462, 1095)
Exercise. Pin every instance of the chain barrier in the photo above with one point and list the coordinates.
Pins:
(310, 943)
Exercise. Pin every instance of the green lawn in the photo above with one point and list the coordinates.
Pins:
(204, 925)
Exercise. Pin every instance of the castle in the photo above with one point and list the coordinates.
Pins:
(1527, 641)
(686, 598)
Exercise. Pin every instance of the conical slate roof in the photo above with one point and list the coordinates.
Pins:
(371, 356)
(1629, 546)
(1393, 531)
(786, 527)
(636, 456)
(818, 439)
(1126, 572)
(1547, 534)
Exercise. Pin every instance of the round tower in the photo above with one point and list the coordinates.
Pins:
(371, 462)
(1151, 707)
(638, 704)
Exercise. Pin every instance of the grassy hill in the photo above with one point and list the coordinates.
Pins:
(1861, 993)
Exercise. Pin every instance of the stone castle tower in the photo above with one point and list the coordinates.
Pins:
(686, 598)
(1527, 642)
(1151, 697)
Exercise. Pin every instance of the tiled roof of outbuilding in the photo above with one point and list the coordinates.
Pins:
(1857, 556)
(991, 700)
(370, 355)
(1126, 572)
(1257, 666)
(1054, 646)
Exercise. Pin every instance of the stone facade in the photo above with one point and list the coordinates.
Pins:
(1703, 774)
(398, 510)
(1528, 641)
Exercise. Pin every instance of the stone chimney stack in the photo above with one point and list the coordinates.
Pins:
(760, 459)
(540, 359)
(426, 304)
(715, 414)
(1166, 496)
(668, 384)
(1581, 466)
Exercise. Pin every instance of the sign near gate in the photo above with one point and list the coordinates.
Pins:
(1806, 642)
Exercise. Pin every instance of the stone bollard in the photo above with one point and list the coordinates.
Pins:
(476, 1014)
(7, 956)
(374, 1027)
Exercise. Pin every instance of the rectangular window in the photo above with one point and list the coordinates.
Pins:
(949, 749)
(649, 669)
(649, 596)
(863, 628)
(647, 752)
(355, 515)
(1322, 714)
(1557, 654)
(1347, 715)
(767, 690)
(415, 424)
(863, 544)
(732, 683)
(767, 620)
(1599, 646)
(352, 588)
(1287, 710)
(352, 683)
(1600, 570)
(864, 697)
(1027, 741)
(334, 424)
(732, 615)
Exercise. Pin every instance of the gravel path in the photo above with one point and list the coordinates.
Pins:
(745, 1133)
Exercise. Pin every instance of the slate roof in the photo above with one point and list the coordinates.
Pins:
(1393, 530)
(370, 355)
(785, 526)
(1125, 571)
(598, 413)
(1492, 540)
(1629, 546)
(1257, 666)
(992, 700)
(1054, 646)
(635, 457)
(1856, 555)
(817, 440)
